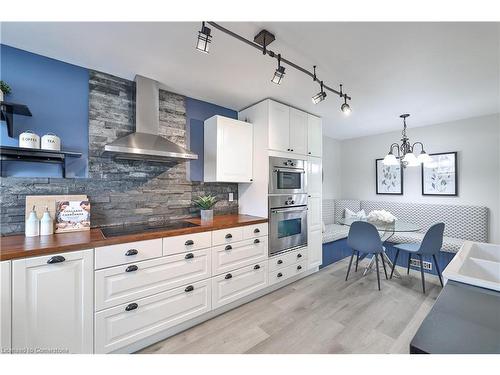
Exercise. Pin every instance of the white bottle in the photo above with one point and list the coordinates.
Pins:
(46, 224)
(32, 227)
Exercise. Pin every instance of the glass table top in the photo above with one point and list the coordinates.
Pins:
(396, 226)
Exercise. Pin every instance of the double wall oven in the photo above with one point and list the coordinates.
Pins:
(287, 204)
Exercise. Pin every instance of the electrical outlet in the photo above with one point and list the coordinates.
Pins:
(416, 263)
(231, 197)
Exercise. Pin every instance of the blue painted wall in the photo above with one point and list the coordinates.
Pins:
(197, 112)
(57, 95)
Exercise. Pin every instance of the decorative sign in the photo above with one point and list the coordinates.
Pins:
(72, 216)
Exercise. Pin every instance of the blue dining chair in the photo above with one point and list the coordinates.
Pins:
(430, 245)
(363, 237)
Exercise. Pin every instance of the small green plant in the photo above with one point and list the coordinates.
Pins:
(205, 202)
(5, 88)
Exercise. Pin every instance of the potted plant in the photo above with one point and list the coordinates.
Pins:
(4, 90)
(206, 202)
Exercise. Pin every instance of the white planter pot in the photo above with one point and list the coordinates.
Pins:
(1, 96)
(207, 216)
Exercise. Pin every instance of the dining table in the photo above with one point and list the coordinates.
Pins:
(386, 231)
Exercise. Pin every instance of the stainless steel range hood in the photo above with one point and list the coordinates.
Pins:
(146, 143)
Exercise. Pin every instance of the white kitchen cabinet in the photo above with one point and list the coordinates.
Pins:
(52, 302)
(314, 232)
(5, 308)
(126, 324)
(113, 255)
(239, 254)
(314, 136)
(279, 126)
(239, 283)
(298, 131)
(278, 275)
(122, 284)
(228, 153)
(314, 176)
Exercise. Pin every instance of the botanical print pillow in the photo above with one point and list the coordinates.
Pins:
(351, 215)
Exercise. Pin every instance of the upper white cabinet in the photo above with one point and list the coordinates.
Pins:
(314, 136)
(314, 176)
(228, 151)
(279, 126)
(5, 307)
(52, 302)
(295, 131)
(298, 131)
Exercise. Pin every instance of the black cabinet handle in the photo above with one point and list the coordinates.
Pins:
(256, 241)
(291, 149)
(131, 306)
(228, 247)
(131, 268)
(189, 242)
(309, 152)
(279, 261)
(189, 256)
(256, 230)
(228, 236)
(131, 252)
(299, 255)
(279, 274)
(251, 179)
(288, 149)
(228, 276)
(189, 288)
(299, 267)
(256, 267)
(56, 259)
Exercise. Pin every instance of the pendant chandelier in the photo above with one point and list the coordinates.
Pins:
(406, 156)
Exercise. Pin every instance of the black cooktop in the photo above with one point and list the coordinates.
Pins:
(122, 230)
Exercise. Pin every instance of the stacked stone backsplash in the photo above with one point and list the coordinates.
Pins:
(122, 191)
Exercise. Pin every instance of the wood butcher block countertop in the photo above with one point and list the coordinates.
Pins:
(19, 246)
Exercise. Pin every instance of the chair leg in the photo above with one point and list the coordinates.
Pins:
(382, 255)
(378, 273)
(422, 272)
(437, 269)
(394, 263)
(350, 263)
(409, 261)
(357, 260)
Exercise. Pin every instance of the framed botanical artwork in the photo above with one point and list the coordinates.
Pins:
(440, 176)
(389, 178)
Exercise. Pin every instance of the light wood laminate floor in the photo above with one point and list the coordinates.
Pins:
(318, 314)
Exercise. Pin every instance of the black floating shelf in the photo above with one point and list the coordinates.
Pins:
(7, 112)
(9, 153)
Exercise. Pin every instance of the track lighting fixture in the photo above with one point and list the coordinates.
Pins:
(320, 96)
(261, 42)
(345, 107)
(204, 39)
(279, 73)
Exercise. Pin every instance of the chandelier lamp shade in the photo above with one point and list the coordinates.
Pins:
(406, 151)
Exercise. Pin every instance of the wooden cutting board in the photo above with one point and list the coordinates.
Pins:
(42, 201)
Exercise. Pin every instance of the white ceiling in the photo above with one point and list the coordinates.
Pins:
(438, 72)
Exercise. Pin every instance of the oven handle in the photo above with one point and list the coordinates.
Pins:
(288, 210)
(294, 170)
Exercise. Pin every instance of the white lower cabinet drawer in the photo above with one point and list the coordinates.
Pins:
(276, 276)
(117, 285)
(255, 230)
(113, 255)
(239, 283)
(186, 242)
(125, 324)
(287, 259)
(239, 254)
(227, 236)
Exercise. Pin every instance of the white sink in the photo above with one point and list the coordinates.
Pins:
(476, 263)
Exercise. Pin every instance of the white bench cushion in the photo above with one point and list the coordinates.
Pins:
(334, 232)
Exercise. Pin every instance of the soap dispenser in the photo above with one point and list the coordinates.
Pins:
(46, 224)
(32, 227)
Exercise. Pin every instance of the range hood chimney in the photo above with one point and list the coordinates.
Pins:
(146, 143)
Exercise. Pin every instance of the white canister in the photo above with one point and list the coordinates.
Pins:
(46, 223)
(50, 141)
(28, 139)
(32, 225)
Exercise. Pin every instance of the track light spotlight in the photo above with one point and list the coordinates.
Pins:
(279, 73)
(320, 96)
(345, 107)
(204, 39)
